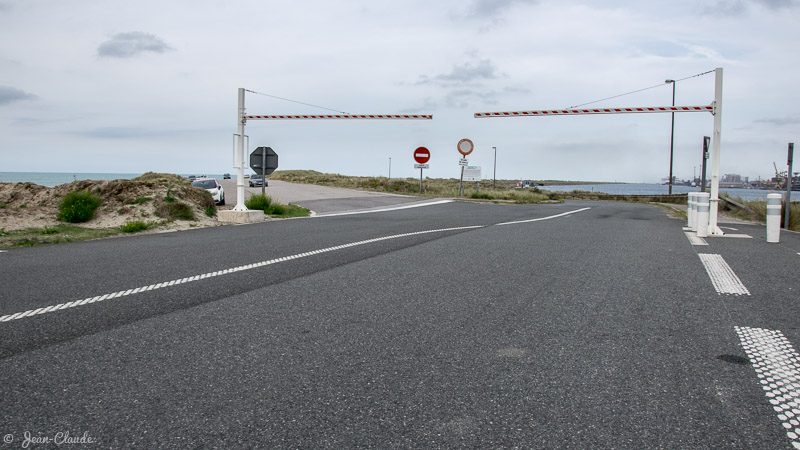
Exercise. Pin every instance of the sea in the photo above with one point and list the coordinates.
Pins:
(51, 179)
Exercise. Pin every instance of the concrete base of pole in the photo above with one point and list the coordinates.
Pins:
(249, 216)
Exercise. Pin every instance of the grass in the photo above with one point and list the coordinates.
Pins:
(756, 211)
(78, 206)
(174, 210)
(265, 203)
(134, 226)
(52, 235)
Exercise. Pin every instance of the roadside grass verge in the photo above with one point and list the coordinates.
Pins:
(756, 211)
(53, 235)
(274, 209)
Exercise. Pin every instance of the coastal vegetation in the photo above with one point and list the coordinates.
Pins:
(272, 208)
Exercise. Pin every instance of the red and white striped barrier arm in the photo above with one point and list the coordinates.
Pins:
(567, 112)
(342, 116)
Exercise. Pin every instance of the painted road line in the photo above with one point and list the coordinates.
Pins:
(722, 276)
(165, 284)
(777, 366)
(393, 208)
(544, 218)
(694, 239)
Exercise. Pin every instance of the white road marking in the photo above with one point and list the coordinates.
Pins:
(393, 208)
(544, 218)
(694, 239)
(722, 276)
(777, 366)
(164, 284)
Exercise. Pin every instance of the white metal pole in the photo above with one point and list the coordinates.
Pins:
(714, 206)
(240, 159)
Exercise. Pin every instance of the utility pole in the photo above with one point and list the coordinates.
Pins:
(672, 135)
(494, 175)
(788, 186)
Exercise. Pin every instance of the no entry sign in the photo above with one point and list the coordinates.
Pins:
(422, 155)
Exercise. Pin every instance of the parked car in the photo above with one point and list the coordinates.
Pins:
(256, 180)
(213, 187)
(226, 176)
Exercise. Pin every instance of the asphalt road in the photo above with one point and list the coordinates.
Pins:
(583, 325)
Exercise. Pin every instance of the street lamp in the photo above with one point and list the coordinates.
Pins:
(494, 175)
(672, 134)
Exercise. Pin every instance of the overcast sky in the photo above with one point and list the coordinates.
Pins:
(135, 86)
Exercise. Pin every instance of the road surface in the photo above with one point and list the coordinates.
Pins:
(583, 324)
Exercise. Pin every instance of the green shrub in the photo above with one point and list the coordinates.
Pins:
(78, 206)
(265, 203)
(134, 226)
(211, 211)
(259, 201)
(175, 210)
(482, 195)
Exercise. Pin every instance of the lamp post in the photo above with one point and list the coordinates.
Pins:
(390, 167)
(494, 174)
(672, 134)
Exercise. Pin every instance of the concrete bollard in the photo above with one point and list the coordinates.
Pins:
(774, 217)
(690, 211)
(703, 204)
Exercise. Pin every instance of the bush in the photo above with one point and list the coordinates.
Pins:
(78, 206)
(264, 203)
(211, 211)
(175, 210)
(482, 195)
(259, 201)
(134, 226)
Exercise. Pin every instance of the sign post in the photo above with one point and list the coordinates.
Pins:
(263, 160)
(421, 156)
(465, 147)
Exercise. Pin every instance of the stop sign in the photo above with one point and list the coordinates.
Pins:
(422, 155)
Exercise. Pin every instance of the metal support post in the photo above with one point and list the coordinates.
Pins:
(714, 207)
(788, 186)
(240, 158)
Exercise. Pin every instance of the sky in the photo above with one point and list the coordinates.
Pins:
(136, 86)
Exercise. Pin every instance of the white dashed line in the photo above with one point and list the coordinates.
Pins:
(722, 276)
(694, 240)
(394, 208)
(777, 366)
(544, 218)
(73, 304)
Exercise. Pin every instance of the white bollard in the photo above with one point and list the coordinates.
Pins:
(703, 203)
(774, 217)
(690, 211)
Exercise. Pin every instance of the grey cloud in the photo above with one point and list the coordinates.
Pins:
(739, 7)
(780, 121)
(127, 45)
(726, 8)
(461, 98)
(463, 74)
(490, 9)
(10, 94)
(777, 4)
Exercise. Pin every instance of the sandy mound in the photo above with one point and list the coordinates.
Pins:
(145, 198)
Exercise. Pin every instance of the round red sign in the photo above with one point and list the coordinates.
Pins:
(422, 155)
(465, 147)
